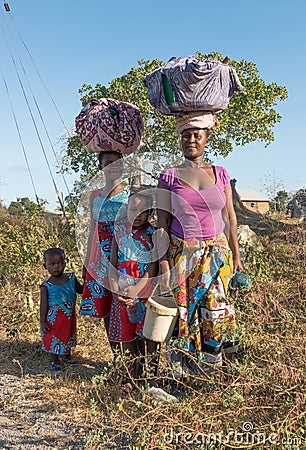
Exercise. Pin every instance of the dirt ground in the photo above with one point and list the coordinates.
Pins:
(26, 423)
(39, 410)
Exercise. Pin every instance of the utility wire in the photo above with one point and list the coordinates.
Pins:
(37, 107)
(19, 134)
(33, 120)
(7, 8)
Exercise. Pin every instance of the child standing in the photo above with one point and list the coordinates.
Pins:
(57, 308)
(132, 267)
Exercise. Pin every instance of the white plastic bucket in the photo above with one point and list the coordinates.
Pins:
(161, 315)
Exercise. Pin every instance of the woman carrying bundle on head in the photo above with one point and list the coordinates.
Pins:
(195, 209)
(196, 213)
(111, 128)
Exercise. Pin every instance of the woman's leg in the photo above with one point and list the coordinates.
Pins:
(106, 323)
(55, 363)
(150, 349)
(130, 351)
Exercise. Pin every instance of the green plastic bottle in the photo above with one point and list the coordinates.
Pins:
(168, 91)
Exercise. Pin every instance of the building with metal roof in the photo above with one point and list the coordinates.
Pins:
(254, 201)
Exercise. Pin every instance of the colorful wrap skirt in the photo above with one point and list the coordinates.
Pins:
(200, 276)
(96, 298)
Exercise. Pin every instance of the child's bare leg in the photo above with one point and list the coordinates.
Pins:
(141, 352)
(132, 348)
(55, 358)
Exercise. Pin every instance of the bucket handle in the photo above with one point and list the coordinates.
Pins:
(157, 311)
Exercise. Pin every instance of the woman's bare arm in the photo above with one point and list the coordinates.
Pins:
(78, 286)
(92, 228)
(232, 223)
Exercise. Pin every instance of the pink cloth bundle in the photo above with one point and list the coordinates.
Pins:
(107, 124)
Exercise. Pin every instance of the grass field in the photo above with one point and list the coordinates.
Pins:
(257, 402)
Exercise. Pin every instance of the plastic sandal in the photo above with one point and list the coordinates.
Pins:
(55, 367)
(160, 394)
(70, 360)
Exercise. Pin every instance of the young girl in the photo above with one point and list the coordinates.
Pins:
(132, 266)
(57, 308)
(108, 205)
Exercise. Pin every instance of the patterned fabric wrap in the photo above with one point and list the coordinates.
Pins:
(61, 317)
(197, 84)
(201, 274)
(110, 125)
(194, 119)
(106, 212)
(134, 257)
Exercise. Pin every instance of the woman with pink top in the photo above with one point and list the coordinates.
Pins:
(195, 209)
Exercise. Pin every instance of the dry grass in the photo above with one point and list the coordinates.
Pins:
(264, 388)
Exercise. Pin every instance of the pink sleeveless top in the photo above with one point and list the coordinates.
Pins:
(196, 213)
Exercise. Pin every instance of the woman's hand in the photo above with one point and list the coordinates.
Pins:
(130, 291)
(45, 327)
(237, 264)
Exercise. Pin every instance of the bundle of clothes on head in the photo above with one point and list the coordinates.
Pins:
(107, 124)
(193, 90)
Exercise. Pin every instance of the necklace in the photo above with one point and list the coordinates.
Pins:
(188, 163)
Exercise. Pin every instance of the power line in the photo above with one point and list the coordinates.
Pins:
(38, 109)
(19, 134)
(33, 121)
(37, 71)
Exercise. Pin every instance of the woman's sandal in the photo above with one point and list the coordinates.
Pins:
(160, 394)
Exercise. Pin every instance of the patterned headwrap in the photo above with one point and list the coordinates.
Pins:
(110, 125)
(195, 119)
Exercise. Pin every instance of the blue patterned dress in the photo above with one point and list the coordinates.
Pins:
(61, 317)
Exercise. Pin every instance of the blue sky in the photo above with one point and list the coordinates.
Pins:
(74, 42)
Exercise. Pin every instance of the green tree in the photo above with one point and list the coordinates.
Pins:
(250, 116)
(281, 201)
(25, 207)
